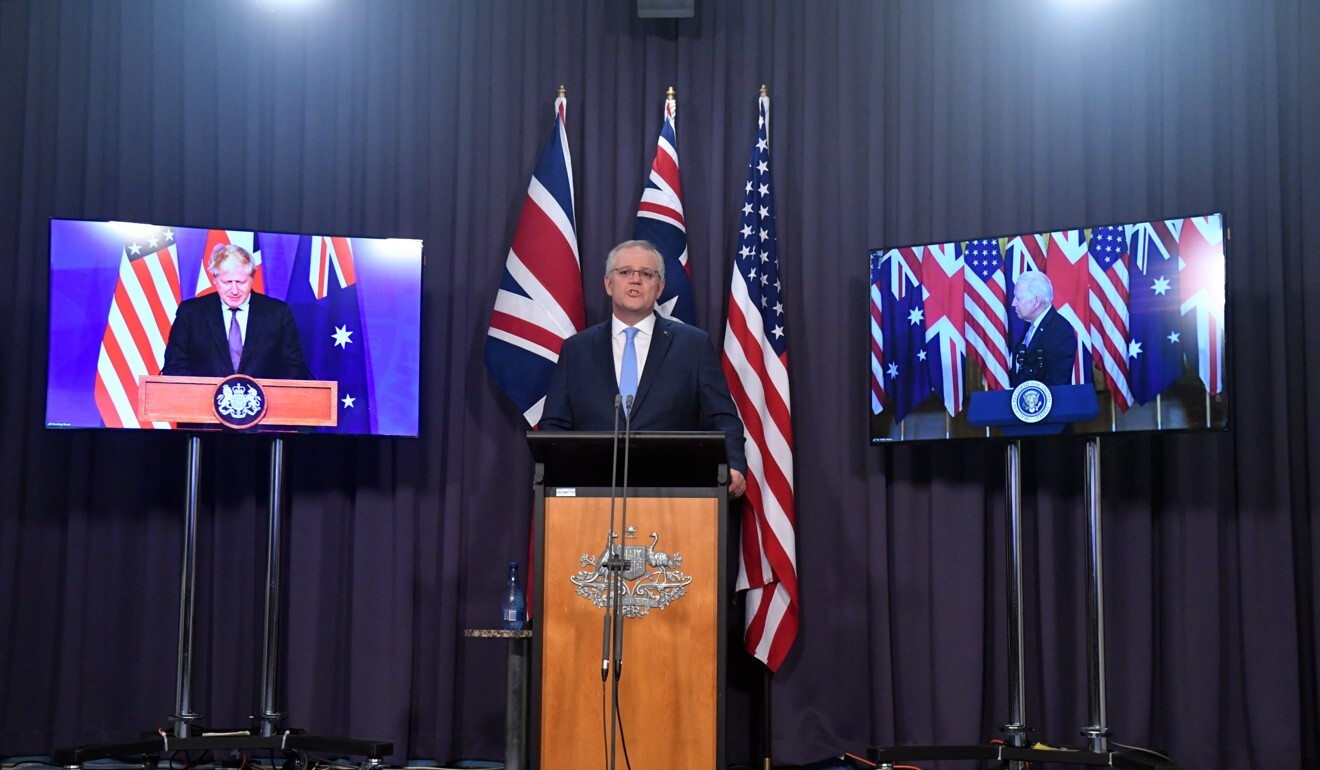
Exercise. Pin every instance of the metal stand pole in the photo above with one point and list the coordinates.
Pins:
(1017, 695)
(270, 716)
(1097, 733)
(183, 714)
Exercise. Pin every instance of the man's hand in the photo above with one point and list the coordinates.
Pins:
(737, 484)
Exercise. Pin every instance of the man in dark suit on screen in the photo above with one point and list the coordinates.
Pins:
(234, 331)
(669, 368)
(1048, 350)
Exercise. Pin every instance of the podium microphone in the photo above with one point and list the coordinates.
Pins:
(607, 557)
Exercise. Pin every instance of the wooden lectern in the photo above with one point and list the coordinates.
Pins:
(302, 403)
(671, 687)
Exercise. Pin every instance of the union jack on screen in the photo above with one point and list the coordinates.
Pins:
(539, 303)
(755, 363)
(660, 221)
(137, 325)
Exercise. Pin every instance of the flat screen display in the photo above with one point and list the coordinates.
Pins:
(1134, 311)
(323, 308)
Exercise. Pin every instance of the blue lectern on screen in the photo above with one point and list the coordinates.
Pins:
(1145, 301)
(115, 288)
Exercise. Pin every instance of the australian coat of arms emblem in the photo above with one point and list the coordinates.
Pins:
(648, 578)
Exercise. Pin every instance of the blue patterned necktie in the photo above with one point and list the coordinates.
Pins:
(628, 370)
(235, 338)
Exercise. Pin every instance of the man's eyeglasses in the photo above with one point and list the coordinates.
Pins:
(626, 273)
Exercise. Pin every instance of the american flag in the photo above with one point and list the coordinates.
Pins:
(756, 365)
(1155, 351)
(877, 303)
(137, 325)
(1066, 265)
(249, 242)
(1201, 246)
(1108, 322)
(660, 221)
(539, 303)
(986, 321)
(323, 294)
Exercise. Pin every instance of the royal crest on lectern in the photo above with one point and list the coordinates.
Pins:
(649, 579)
(239, 402)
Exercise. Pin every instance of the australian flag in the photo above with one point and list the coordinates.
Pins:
(1155, 354)
(902, 318)
(660, 220)
(323, 294)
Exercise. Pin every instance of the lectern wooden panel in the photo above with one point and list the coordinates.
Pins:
(671, 688)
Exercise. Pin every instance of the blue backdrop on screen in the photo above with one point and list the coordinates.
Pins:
(114, 288)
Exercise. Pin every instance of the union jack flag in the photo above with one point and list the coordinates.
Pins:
(1201, 246)
(986, 322)
(137, 325)
(755, 363)
(942, 281)
(1066, 264)
(660, 221)
(539, 303)
(1108, 321)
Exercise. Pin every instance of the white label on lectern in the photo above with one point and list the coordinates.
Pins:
(565, 491)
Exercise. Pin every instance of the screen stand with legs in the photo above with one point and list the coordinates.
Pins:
(265, 737)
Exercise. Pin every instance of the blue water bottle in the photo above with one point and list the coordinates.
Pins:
(514, 606)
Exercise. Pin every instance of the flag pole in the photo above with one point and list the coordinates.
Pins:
(766, 730)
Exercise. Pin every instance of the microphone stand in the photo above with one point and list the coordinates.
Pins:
(617, 576)
(607, 561)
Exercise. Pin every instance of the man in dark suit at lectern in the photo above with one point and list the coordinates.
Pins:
(669, 368)
(1048, 350)
(234, 331)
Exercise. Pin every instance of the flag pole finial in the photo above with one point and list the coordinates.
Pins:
(671, 93)
(765, 91)
(561, 92)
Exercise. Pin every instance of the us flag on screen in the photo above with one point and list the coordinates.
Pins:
(660, 221)
(539, 303)
(756, 365)
(137, 325)
(1109, 328)
(986, 323)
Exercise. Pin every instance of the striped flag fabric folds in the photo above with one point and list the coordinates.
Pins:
(137, 325)
(755, 363)
(986, 323)
(540, 302)
(1108, 321)
(660, 221)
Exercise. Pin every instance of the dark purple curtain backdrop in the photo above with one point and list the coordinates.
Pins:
(895, 122)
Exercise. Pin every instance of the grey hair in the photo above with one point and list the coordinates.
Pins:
(614, 252)
(227, 252)
(1036, 284)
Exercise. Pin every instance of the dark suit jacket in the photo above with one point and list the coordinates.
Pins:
(682, 387)
(199, 341)
(1051, 355)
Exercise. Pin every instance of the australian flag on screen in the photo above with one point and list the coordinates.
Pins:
(1155, 355)
(902, 319)
(323, 293)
